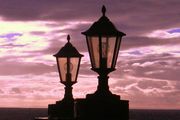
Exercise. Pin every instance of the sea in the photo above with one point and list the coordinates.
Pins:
(134, 114)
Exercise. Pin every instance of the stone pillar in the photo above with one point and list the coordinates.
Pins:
(62, 110)
(101, 109)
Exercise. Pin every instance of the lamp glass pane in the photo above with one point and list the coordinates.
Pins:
(117, 50)
(93, 45)
(74, 68)
(110, 51)
(62, 62)
(104, 47)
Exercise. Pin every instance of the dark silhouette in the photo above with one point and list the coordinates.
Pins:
(68, 61)
(103, 41)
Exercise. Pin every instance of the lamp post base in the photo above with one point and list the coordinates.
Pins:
(61, 110)
(103, 108)
(103, 95)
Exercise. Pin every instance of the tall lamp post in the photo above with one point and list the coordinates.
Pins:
(103, 41)
(68, 62)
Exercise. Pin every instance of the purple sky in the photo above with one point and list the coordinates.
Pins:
(148, 66)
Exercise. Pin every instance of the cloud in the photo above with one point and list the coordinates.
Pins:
(150, 84)
(1, 91)
(132, 17)
(163, 34)
(140, 41)
(15, 91)
(21, 67)
(161, 66)
(43, 10)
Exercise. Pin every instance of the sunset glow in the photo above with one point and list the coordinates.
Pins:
(148, 66)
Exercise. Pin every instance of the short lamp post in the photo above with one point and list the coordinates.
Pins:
(103, 41)
(68, 62)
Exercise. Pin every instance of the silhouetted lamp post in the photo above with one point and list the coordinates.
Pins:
(68, 62)
(103, 41)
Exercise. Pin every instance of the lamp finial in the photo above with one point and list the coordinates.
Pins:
(103, 10)
(68, 38)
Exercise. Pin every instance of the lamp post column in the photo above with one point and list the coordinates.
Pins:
(68, 93)
(103, 83)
